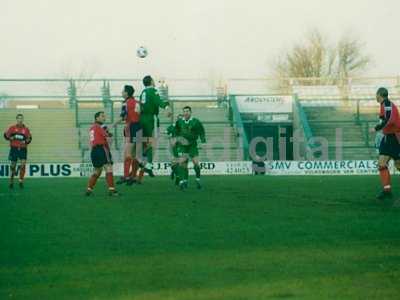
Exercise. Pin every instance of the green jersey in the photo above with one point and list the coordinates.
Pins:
(171, 132)
(191, 130)
(150, 102)
(176, 146)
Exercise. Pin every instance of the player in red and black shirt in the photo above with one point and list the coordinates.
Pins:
(20, 137)
(389, 147)
(100, 154)
(130, 114)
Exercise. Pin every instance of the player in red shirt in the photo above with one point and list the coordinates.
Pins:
(20, 137)
(100, 154)
(389, 147)
(130, 114)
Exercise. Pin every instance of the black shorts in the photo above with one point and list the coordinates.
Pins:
(17, 153)
(390, 146)
(130, 131)
(100, 156)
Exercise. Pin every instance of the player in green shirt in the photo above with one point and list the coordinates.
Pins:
(150, 104)
(189, 130)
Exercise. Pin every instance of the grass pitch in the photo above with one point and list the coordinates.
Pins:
(242, 237)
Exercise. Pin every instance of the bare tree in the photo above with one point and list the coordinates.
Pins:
(350, 56)
(316, 58)
(305, 59)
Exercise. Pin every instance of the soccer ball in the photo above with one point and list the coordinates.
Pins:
(141, 52)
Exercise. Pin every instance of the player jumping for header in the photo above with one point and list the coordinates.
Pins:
(150, 103)
(130, 114)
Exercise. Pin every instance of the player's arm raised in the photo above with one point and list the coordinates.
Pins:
(163, 104)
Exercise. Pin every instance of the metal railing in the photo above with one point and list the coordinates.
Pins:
(306, 128)
(238, 123)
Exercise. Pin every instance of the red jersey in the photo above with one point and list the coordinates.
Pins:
(390, 117)
(130, 110)
(19, 136)
(98, 136)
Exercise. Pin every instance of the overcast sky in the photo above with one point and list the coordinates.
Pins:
(185, 38)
